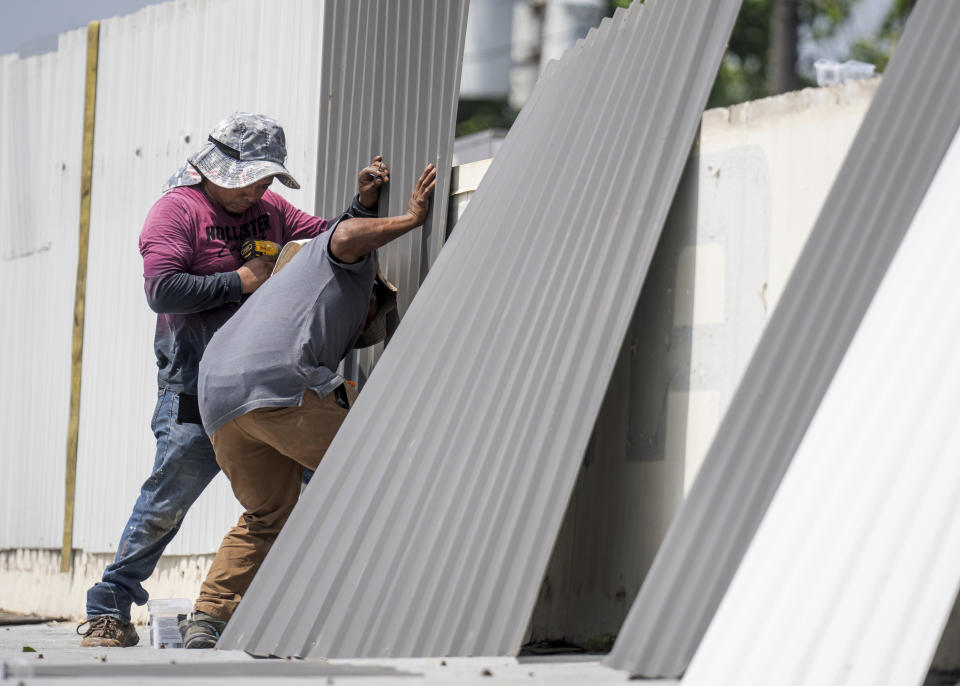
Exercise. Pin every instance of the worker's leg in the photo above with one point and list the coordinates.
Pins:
(261, 453)
(267, 484)
(183, 466)
(304, 433)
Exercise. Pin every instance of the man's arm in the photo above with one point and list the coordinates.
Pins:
(184, 293)
(297, 224)
(356, 237)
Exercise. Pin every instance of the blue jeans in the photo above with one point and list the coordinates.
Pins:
(184, 465)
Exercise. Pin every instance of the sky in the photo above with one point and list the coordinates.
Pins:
(31, 27)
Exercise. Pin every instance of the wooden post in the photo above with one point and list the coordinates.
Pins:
(76, 368)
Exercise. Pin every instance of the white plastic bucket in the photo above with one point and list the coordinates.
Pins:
(164, 631)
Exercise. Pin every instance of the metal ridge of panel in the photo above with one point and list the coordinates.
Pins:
(891, 162)
(429, 523)
(854, 569)
(390, 83)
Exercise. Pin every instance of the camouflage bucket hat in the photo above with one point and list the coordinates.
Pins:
(242, 149)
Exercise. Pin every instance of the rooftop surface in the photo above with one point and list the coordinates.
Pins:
(59, 658)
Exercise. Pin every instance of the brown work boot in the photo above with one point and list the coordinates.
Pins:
(108, 632)
(201, 630)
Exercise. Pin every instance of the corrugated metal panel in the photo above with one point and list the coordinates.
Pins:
(167, 74)
(892, 160)
(856, 565)
(41, 125)
(390, 79)
(428, 526)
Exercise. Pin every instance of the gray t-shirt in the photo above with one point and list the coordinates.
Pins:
(288, 337)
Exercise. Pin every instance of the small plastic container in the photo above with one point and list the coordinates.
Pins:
(830, 72)
(164, 629)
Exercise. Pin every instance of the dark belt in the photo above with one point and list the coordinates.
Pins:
(188, 409)
(340, 397)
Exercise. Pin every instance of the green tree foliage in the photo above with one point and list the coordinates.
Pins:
(878, 49)
(824, 16)
(479, 115)
(743, 75)
(743, 71)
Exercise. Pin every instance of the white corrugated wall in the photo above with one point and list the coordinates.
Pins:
(41, 124)
(167, 74)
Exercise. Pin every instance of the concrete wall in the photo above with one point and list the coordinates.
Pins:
(749, 197)
(32, 583)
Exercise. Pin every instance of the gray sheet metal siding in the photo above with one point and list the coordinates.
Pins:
(390, 84)
(898, 148)
(428, 526)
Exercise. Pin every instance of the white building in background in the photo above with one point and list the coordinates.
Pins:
(486, 50)
(507, 46)
(509, 42)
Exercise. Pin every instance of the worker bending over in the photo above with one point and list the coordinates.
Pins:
(270, 397)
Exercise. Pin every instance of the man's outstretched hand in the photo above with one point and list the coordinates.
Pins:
(369, 181)
(357, 236)
(419, 203)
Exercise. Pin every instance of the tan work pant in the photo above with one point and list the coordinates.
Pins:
(262, 453)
